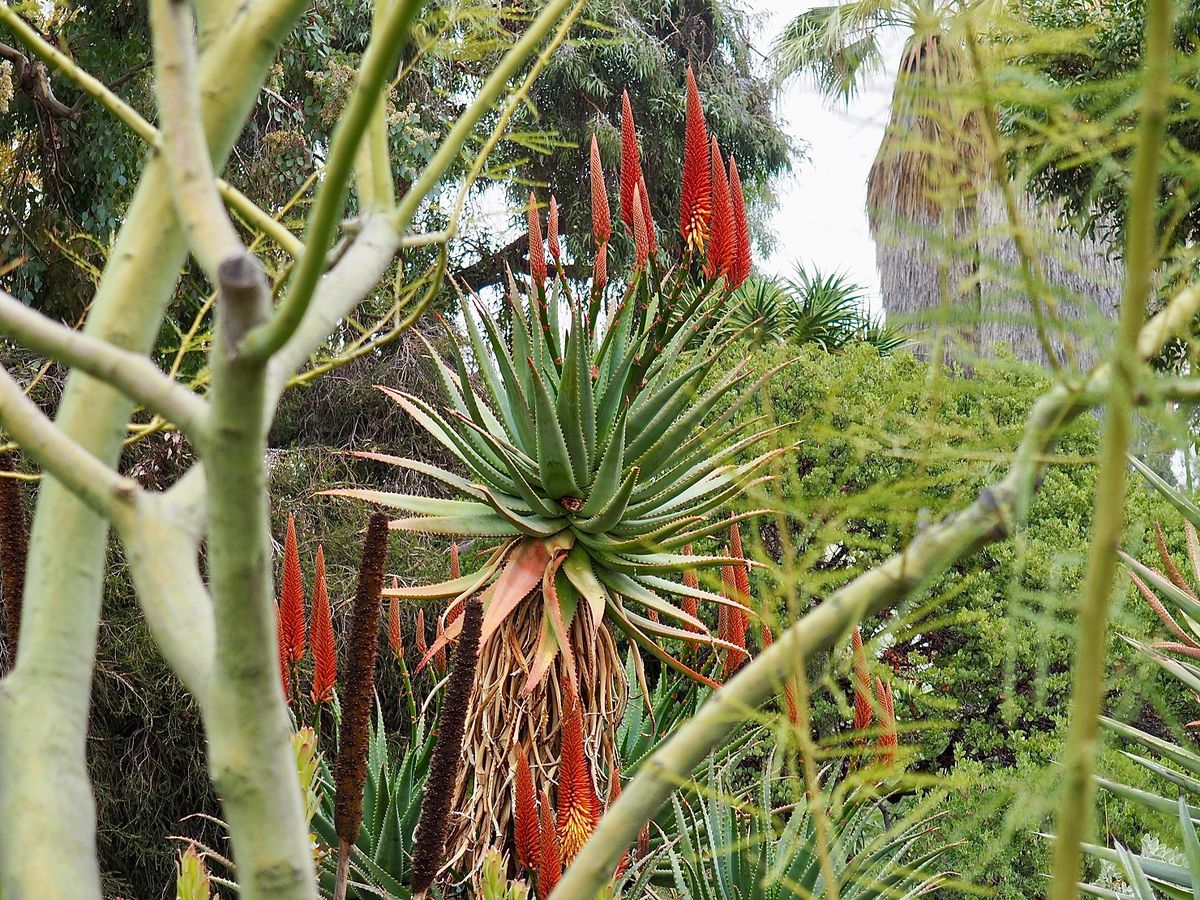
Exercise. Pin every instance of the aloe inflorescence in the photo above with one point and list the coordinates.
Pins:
(362, 650)
(430, 842)
(14, 548)
(596, 446)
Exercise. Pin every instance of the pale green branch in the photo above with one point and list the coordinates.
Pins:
(929, 554)
(161, 547)
(74, 467)
(378, 60)
(210, 232)
(1087, 695)
(134, 375)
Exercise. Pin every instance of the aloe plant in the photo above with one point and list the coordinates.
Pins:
(724, 841)
(596, 447)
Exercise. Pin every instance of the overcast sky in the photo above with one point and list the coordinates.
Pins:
(821, 217)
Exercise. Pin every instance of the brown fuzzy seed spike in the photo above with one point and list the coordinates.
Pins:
(614, 794)
(361, 650)
(429, 842)
(14, 549)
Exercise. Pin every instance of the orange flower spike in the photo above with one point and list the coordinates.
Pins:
(422, 646)
(631, 163)
(695, 203)
(291, 598)
(735, 623)
(600, 268)
(323, 650)
(740, 269)
(722, 237)
(742, 572)
(888, 740)
(601, 218)
(525, 813)
(550, 863)
(285, 670)
(455, 572)
(641, 241)
(393, 633)
(439, 658)
(789, 687)
(690, 605)
(552, 231)
(537, 252)
(647, 218)
(578, 803)
(864, 699)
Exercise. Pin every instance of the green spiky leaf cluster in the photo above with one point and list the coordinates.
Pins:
(597, 450)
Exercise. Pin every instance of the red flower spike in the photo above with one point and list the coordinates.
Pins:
(643, 841)
(721, 243)
(601, 218)
(690, 605)
(285, 670)
(291, 599)
(323, 650)
(631, 162)
(455, 571)
(393, 633)
(525, 814)
(740, 269)
(789, 689)
(550, 864)
(600, 269)
(552, 231)
(537, 252)
(864, 699)
(647, 218)
(742, 572)
(641, 241)
(422, 646)
(578, 803)
(888, 740)
(439, 657)
(734, 625)
(695, 203)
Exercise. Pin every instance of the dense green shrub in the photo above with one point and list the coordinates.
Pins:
(980, 659)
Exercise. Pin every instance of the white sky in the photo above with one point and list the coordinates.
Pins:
(821, 218)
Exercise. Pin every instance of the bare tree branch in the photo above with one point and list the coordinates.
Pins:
(134, 375)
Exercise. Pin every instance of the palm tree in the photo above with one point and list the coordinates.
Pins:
(943, 227)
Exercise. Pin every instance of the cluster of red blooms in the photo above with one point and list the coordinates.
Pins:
(547, 842)
(395, 642)
(870, 702)
(291, 624)
(712, 208)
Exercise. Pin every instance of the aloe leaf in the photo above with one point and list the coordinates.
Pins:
(452, 526)
(521, 575)
(527, 524)
(578, 569)
(611, 513)
(569, 412)
(500, 373)
(554, 459)
(448, 478)
(639, 593)
(625, 620)
(1183, 757)
(455, 587)
(449, 438)
(608, 473)
(425, 506)
(458, 389)
(1190, 510)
